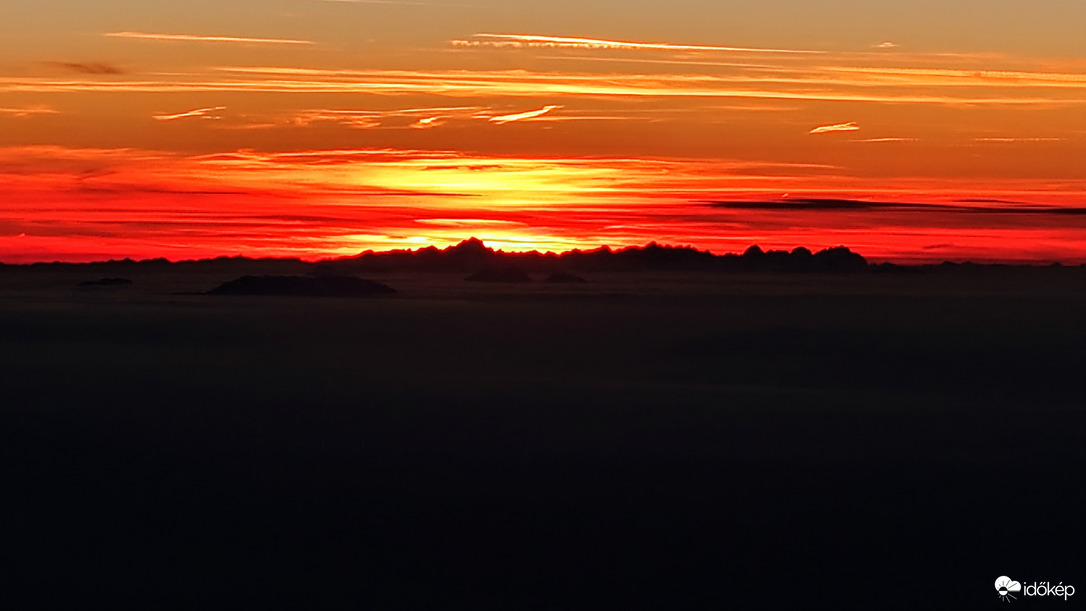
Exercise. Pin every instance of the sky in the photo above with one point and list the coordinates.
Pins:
(909, 131)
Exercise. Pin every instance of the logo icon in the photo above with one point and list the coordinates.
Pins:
(1004, 586)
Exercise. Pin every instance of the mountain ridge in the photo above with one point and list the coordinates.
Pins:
(472, 254)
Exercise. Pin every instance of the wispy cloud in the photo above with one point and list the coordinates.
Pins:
(27, 111)
(358, 119)
(520, 83)
(428, 122)
(430, 117)
(465, 222)
(529, 40)
(672, 61)
(151, 203)
(418, 118)
(196, 38)
(886, 45)
(202, 113)
(957, 77)
(85, 67)
(876, 140)
(851, 126)
(1009, 140)
(503, 119)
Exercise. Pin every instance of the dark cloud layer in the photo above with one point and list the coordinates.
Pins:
(86, 67)
(829, 205)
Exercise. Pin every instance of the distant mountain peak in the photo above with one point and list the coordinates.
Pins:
(472, 255)
(471, 245)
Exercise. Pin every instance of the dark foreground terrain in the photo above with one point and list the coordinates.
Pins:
(665, 441)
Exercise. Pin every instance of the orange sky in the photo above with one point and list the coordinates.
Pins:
(318, 128)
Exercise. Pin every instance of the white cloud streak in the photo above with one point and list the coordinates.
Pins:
(26, 112)
(203, 113)
(196, 38)
(423, 118)
(503, 119)
(851, 126)
(596, 43)
(878, 140)
(1010, 140)
(956, 77)
(519, 83)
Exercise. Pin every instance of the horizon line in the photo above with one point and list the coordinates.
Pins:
(918, 262)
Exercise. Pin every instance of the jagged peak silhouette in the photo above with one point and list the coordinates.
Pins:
(472, 255)
(471, 245)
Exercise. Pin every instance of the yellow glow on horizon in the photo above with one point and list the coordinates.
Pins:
(323, 127)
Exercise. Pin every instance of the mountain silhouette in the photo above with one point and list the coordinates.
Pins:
(472, 256)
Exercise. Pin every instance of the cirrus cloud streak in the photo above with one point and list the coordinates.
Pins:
(199, 38)
(851, 126)
(596, 43)
(203, 113)
(519, 83)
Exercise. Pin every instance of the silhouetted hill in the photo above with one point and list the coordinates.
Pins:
(472, 255)
(302, 286)
(160, 263)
